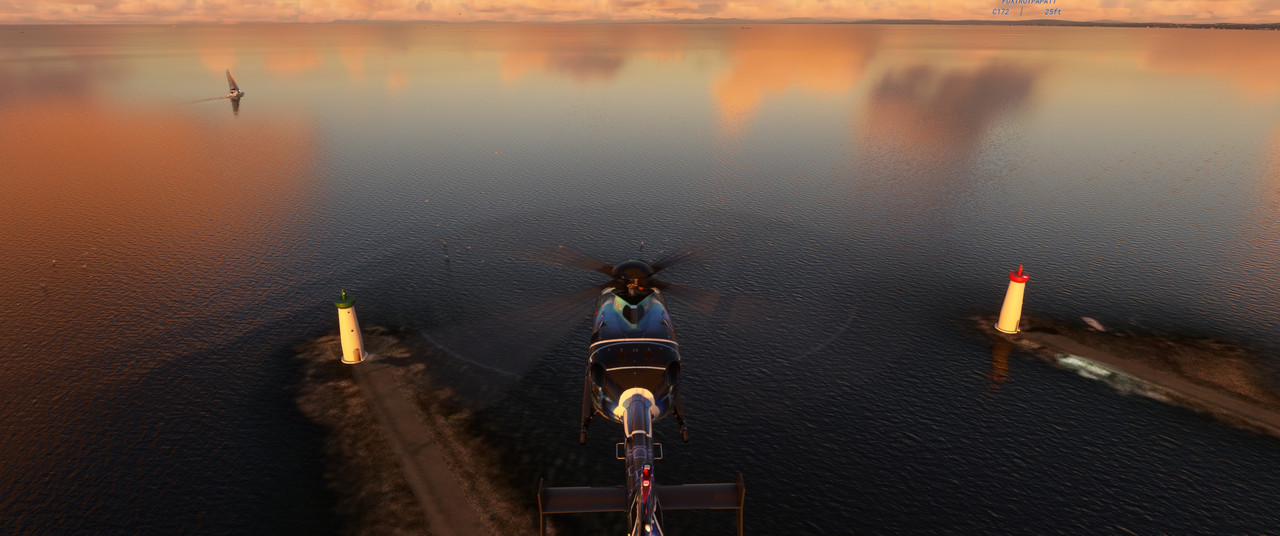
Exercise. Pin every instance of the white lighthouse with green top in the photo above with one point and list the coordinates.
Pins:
(349, 329)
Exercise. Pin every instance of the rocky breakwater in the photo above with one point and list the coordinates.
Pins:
(1208, 376)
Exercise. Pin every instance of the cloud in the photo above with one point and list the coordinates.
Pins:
(490, 9)
(177, 11)
(369, 5)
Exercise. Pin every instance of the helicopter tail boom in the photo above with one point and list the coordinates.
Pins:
(642, 496)
(583, 499)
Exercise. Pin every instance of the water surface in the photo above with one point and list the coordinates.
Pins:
(165, 254)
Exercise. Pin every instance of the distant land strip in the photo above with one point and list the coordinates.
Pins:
(739, 22)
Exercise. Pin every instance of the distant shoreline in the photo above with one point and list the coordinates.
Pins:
(724, 22)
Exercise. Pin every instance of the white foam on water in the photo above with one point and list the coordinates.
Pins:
(1118, 379)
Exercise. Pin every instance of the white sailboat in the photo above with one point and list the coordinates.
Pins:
(234, 92)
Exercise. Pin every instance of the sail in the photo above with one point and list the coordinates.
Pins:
(231, 81)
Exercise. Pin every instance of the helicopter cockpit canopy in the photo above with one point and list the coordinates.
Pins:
(643, 365)
(653, 366)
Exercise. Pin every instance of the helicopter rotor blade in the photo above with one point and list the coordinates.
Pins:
(509, 343)
(701, 300)
(562, 256)
(678, 257)
(786, 299)
(488, 356)
(725, 306)
(572, 258)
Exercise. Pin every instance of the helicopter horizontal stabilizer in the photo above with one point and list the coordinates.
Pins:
(581, 500)
(725, 496)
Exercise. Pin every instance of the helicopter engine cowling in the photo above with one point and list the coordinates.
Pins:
(633, 269)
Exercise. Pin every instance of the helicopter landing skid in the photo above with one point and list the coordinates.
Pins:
(588, 411)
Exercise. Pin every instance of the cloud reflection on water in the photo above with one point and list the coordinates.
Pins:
(1260, 243)
(217, 58)
(1248, 60)
(768, 61)
(924, 109)
(583, 54)
(920, 136)
(117, 217)
(58, 76)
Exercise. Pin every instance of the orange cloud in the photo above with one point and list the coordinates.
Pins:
(176, 11)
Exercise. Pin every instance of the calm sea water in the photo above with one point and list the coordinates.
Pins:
(865, 188)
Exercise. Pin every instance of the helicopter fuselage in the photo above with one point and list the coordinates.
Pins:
(632, 375)
(633, 350)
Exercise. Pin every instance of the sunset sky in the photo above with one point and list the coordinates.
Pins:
(227, 11)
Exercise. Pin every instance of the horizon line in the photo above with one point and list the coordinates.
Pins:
(706, 20)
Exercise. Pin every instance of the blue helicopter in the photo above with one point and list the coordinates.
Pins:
(632, 377)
